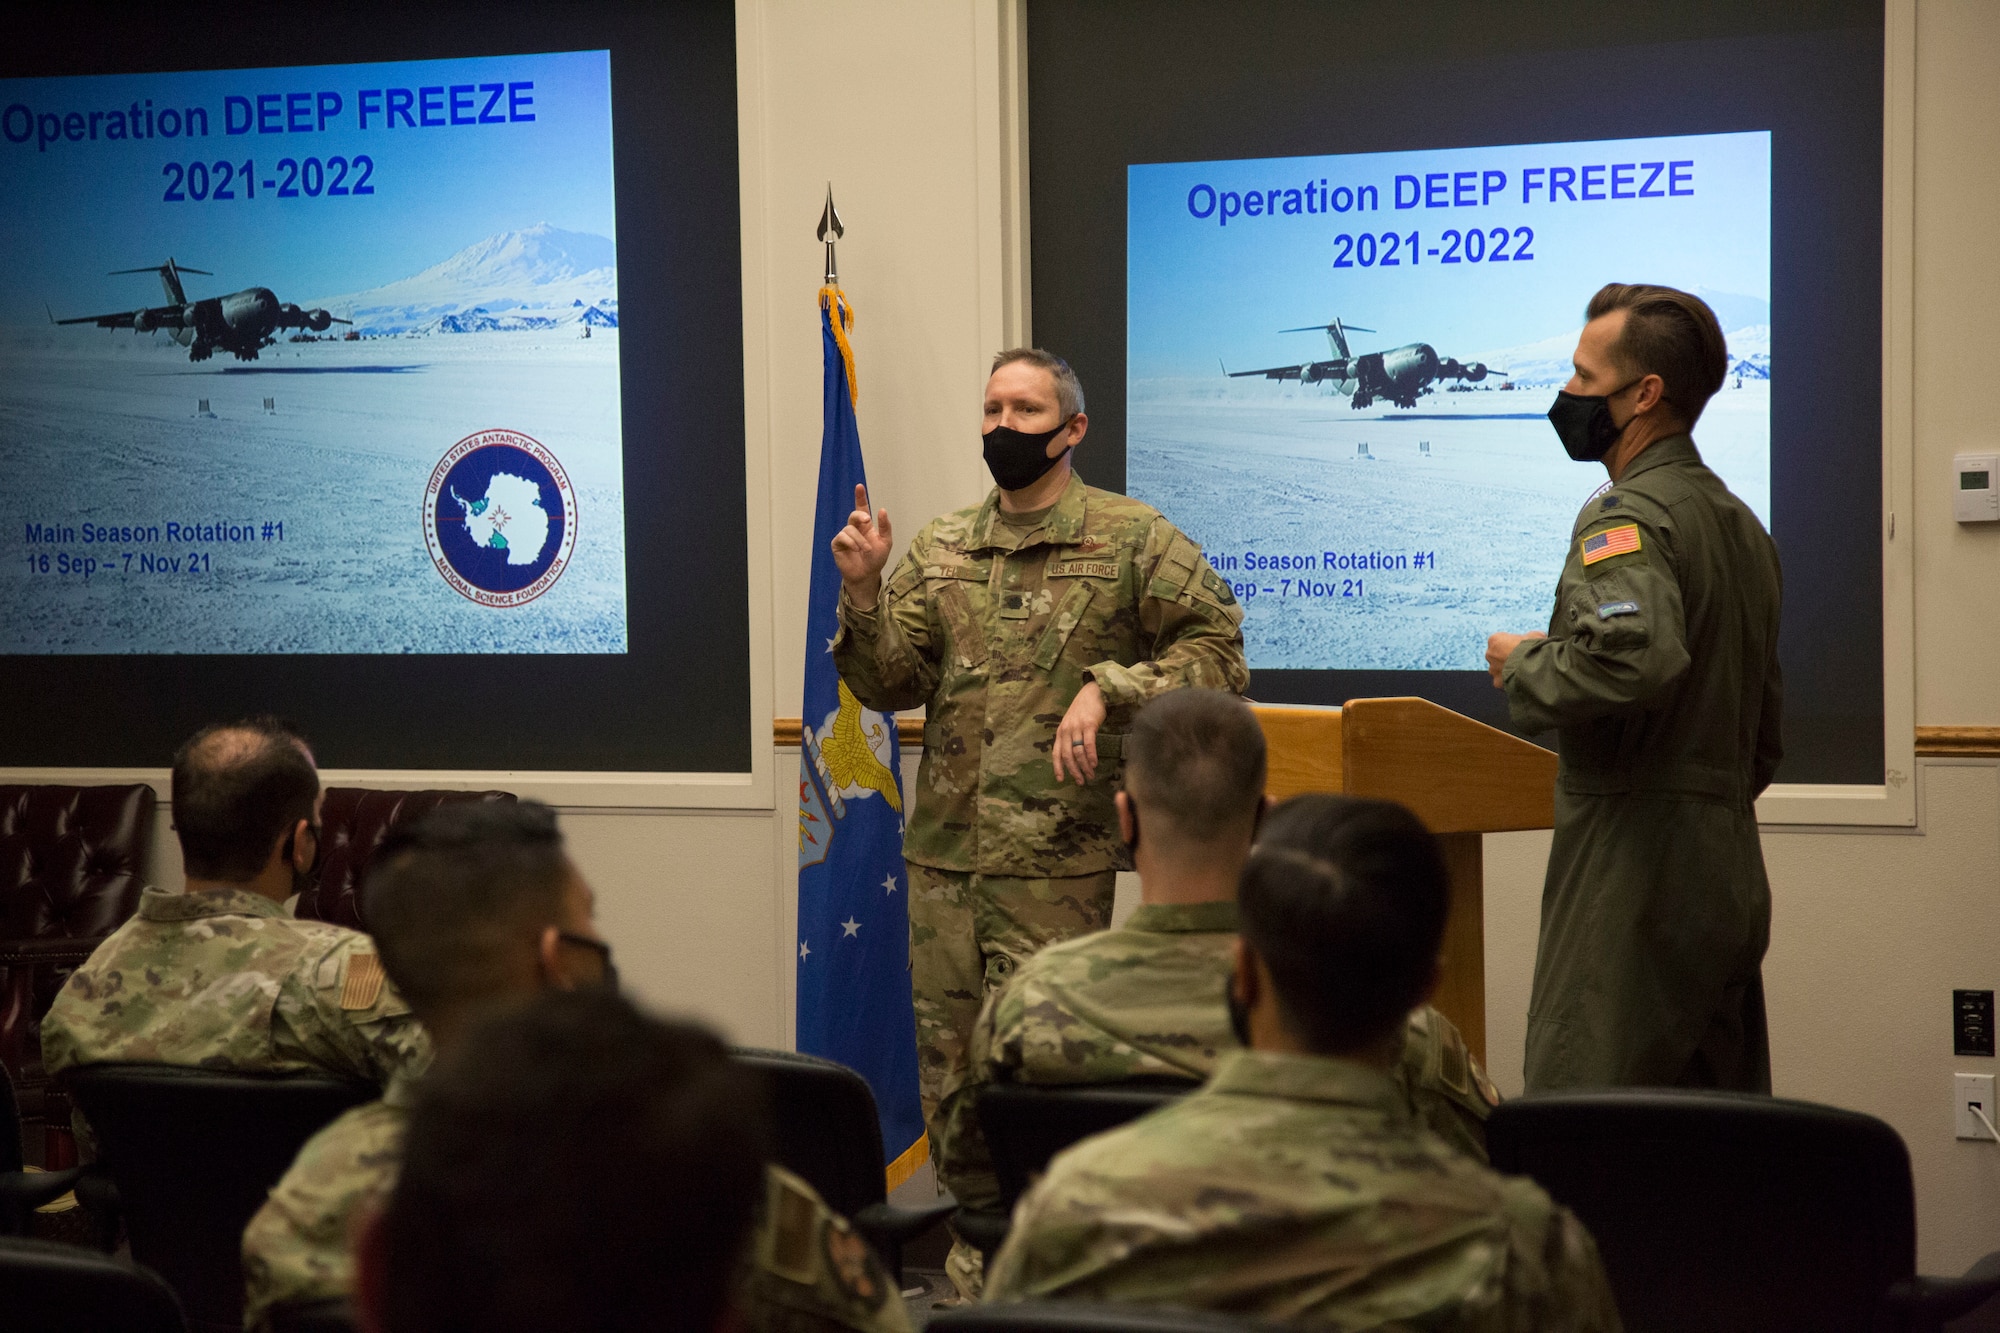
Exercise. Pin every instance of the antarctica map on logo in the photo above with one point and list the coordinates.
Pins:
(318, 359)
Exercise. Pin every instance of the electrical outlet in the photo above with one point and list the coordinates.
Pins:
(1973, 1089)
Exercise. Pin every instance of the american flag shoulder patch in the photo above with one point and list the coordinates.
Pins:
(363, 984)
(1622, 540)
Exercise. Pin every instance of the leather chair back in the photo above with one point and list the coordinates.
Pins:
(1026, 1124)
(193, 1153)
(353, 822)
(72, 863)
(72, 859)
(1723, 1211)
(825, 1130)
(53, 1288)
(823, 1126)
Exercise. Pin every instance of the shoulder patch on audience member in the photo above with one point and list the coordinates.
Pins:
(854, 1265)
(363, 985)
(1613, 609)
(793, 1219)
(1453, 1068)
(1487, 1092)
(1621, 540)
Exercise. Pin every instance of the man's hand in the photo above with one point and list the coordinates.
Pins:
(1075, 754)
(861, 549)
(1500, 647)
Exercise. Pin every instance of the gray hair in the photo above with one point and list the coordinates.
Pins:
(1069, 389)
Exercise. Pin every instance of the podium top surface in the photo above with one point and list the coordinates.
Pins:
(1458, 775)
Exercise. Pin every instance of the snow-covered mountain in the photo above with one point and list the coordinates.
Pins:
(1747, 317)
(536, 278)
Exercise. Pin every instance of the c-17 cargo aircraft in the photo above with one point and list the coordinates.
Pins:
(240, 323)
(1399, 375)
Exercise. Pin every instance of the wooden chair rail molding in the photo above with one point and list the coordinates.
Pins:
(1958, 742)
(1932, 742)
(787, 730)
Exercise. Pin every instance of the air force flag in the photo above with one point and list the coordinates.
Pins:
(854, 938)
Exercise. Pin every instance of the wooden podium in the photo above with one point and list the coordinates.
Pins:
(1462, 778)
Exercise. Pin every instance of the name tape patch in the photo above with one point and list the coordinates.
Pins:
(1090, 569)
(1623, 540)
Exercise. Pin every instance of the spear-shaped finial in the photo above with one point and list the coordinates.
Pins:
(830, 231)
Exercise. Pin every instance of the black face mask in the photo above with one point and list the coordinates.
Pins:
(304, 881)
(1018, 460)
(1583, 423)
(609, 980)
(1239, 1017)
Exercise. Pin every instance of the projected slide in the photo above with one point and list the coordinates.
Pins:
(1339, 369)
(312, 360)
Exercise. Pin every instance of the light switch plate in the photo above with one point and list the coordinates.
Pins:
(1967, 1088)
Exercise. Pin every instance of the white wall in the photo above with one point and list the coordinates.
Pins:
(902, 105)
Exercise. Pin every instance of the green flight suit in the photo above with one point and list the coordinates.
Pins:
(1660, 676)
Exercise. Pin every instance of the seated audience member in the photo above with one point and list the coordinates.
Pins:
(218, 974)
(572, 1164)
(1296, 1184)
(477, 906)
(1146, 999)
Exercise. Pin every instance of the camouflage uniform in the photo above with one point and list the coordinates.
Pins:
(1296, 1187)
(228, 979)
(296, 1247)
(808, 1270)
(993, 623)
(1146, 1001)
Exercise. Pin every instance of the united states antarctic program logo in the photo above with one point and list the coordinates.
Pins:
(500, 518)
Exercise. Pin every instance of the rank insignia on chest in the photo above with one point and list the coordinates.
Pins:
(1612, 541)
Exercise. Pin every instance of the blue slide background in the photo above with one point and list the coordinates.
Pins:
(1392, 538)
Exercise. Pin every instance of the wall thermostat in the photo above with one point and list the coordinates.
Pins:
(1976, 498)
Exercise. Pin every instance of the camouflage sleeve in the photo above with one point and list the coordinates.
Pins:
(296, 1246)
(810, 1271)
(1194, 623)
(886, 654)
(963, 1157)
(1619, 635)
(1447, 1088)
(1578, 1296)
(341, 1012)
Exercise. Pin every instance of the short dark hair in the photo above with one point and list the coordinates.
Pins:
(453, 895)
(574, 1164)
(1197, 756)
(1345, 900)
(1069, 389)
(1669, 333)
(236, 787)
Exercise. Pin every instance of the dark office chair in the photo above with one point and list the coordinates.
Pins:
(53, 1288)
(826, 1131)
(1724, 1211)
(1026, 1125)
(1089, 1317)
(21, 1192)
(193, 1152)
